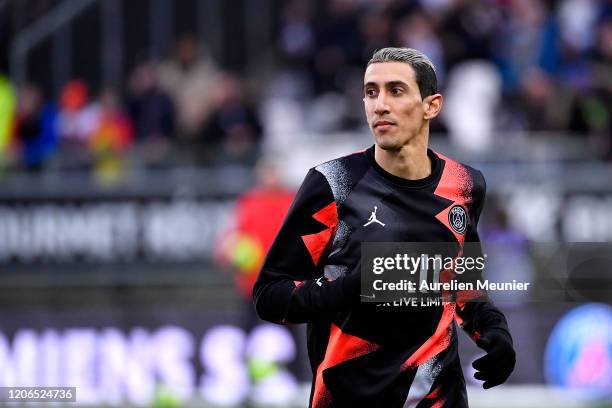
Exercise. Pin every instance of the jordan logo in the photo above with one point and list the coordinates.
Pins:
(373, 218)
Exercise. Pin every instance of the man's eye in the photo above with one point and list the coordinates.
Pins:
(396, 91)
(370, 92)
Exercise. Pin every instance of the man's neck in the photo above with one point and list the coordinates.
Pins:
(411, 162)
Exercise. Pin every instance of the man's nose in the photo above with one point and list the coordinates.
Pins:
(381, 104)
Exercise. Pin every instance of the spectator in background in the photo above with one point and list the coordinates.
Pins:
(152, 112)
(338, 45)
(469, 30)
(528, 40)
(112, 137)
(190, 79)
(258, 216)
(78, 116)
(296, 44)
(471, 103)
(36, 127)
(576, 21)
(297, 34)
(529, 56)
(576, 32)
(77, 121)
(591, 110)
(541, 107)
(7, 117)
(233, 132)
(336, 71)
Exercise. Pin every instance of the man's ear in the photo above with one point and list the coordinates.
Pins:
(433, 106)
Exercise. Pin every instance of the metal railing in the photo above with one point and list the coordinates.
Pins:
(52, 24)
(211, 17)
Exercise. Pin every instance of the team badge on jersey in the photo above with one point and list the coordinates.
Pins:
(457, 218)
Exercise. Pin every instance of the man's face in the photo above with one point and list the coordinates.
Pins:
(393, 104)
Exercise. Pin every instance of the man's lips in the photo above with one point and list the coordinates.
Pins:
(383, 123)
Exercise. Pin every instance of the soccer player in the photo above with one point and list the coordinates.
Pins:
(396, 191)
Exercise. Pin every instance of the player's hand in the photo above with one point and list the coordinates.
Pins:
(496, 366)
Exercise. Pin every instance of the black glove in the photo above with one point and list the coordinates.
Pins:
(496, 366)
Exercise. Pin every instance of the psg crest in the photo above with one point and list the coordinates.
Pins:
(457, 218)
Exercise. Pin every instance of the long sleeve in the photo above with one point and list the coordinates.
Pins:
(291, 287)
(478, 315)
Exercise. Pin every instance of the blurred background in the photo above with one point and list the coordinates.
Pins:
(149, 150)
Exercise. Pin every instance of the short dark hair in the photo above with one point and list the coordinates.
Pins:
(424, 69)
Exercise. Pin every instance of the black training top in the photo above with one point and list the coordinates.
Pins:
(362, 355)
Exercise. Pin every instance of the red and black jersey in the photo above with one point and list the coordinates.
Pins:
(362, 355)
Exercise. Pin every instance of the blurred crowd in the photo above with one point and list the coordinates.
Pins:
(184, 110)
(504, 66)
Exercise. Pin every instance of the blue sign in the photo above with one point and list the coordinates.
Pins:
(579, 352)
